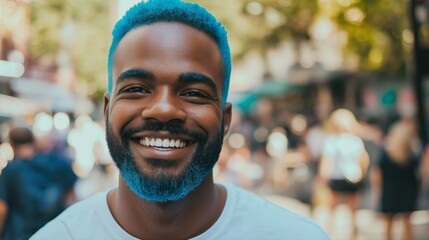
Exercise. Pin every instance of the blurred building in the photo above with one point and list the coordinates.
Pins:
(30, 84)
(14, 34)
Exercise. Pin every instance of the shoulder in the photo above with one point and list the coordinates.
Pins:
(260, 216)
(14, 165)
(75, 219)
(350, 138)
(12, 170)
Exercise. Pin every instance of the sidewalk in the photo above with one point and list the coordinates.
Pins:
(369, 225)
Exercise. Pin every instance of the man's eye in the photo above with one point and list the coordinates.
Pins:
(135, 89)
(195, 93)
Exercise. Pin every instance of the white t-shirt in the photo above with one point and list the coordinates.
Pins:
(245, 216)
(345, 151)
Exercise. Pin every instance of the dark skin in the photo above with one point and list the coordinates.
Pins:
(167, 72)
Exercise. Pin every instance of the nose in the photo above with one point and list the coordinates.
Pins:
(163, 107)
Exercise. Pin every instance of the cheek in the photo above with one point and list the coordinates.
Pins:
(207, 118)
(121, 114)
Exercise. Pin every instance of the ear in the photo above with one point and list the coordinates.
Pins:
(106, 103)
(227, 114)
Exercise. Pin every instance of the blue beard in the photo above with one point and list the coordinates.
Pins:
(164, 187)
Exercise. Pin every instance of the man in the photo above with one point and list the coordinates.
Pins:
(32, 187)
(166, 115)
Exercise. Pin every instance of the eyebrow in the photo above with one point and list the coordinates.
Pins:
(197, 78)
(135, 73)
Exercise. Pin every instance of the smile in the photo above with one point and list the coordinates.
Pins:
(163, 142)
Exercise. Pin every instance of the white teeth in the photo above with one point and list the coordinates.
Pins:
(165, 143)
(172, 143)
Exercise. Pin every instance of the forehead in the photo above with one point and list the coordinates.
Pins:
(177, 47)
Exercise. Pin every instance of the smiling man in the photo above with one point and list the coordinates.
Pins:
(166, 115)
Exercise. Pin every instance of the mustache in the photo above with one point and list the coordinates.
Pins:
(127, 133)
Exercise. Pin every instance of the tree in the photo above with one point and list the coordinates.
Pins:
(263, 25)
(376, 30)
(79, 28)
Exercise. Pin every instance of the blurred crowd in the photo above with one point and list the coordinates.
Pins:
(340, 160)
(46, 166)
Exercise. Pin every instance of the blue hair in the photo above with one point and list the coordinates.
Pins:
(153, 11)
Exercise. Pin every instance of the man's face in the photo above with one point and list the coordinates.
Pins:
(165, 122)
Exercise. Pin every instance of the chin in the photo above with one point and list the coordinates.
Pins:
(162, 186)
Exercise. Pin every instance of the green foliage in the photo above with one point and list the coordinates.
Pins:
(376, 40)
(86, 38)
(259, 31)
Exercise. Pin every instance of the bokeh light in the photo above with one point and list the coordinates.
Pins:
(299, 124)
(277, 143)
(61, 121)
(261, 134)
(11, 69)
(82, 138)
(43, 124)
(254, 8)
(354, 15)
(236, 140)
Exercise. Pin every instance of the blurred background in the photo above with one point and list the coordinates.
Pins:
(294, 63)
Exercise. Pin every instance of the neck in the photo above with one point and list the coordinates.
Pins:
(184, 218)
(25, 152)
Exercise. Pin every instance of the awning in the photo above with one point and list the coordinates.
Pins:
(273, 88)
(246, 101)
(14, 107)
(51, 95)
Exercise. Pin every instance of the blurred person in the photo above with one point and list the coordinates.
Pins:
(83, 138)
(103, 176)
(260, 157)
(314, 141)
(396, 177)
(372, 136)
(222, 171)
(249, 173)
(424, 174)
(344, 162)
(33, 187)
(166, 115)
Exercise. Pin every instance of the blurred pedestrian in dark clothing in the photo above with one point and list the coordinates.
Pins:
(344, 162)
(396, 177)
(314, 141)
(32, 187)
